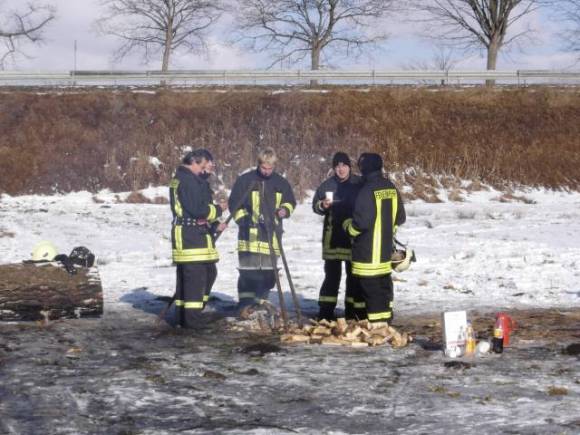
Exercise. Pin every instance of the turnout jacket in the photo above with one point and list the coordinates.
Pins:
(336, 243)
(193, 212)
(249, 210)
(378, 210)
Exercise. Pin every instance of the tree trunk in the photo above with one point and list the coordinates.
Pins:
(314, 63)
(167, 48)
(47, 291)
(492, 52)
(166, 53)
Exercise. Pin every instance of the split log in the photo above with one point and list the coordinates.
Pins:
(45, 291)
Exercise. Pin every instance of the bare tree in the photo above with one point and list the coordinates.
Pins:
(473, 24)
(21, 26)
(155, 26)
(298, 28)
(443, 59)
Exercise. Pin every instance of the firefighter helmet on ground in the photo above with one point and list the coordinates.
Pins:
(44, 251)
(401, 259)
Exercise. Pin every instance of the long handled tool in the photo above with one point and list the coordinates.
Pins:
(216, 237)
(278, 233)
(269, 225)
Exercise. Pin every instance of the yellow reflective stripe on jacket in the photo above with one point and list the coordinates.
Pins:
(328, 299)
(278, 199)
(255, 206)
(195, 255)
(288, 206)
(177, 205)
(179, 303)
(193, 305)
(384, 315)
(327, 236)
(378, 230)
(350, 229)
(177, 234)
(369, 269)
(241, 213)
(206, 298)
(192, 255)
(336, 254)
(257, 247)
(212, 216)
(359, 305)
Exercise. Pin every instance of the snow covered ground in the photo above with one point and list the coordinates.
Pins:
(127, 376)
(480, 253)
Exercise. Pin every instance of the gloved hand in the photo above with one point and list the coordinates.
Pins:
(281, 213)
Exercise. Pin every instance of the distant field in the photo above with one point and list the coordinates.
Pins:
(89, 140)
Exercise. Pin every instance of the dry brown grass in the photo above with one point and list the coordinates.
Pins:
(7, 234)
(137, 198)
(103, 139)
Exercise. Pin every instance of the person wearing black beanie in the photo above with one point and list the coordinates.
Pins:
(377, 212)
(340, 157)
(334, 199)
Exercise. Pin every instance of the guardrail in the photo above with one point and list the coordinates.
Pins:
(286, 77)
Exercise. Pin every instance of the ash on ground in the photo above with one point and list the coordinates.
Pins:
(124, 374)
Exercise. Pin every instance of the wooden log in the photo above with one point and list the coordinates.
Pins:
(45, 291)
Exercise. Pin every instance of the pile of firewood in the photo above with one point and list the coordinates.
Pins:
(347, 333)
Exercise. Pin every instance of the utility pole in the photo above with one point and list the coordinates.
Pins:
(74, 64)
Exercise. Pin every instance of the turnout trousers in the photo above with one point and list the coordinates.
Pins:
(256, 278)
(378, 296)
(255, 285)
(193, 286)
(354, 305)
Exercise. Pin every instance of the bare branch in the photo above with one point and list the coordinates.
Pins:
(23, 26)
(476, 24)
(298, 27)
(569, 14)
(154, 26)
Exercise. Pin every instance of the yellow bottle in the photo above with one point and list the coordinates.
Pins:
(469, 340)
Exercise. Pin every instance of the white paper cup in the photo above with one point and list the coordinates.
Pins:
(330, 196)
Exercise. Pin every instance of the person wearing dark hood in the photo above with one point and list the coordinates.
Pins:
(378, 211)
(193, 249)
(334, 199)
(259, 195)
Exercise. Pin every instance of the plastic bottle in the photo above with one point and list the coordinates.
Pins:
(469, 340)
(497, 341)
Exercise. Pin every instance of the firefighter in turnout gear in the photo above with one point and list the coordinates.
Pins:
(378, 211)
(194, 251)
(255, 265)
(343, 187)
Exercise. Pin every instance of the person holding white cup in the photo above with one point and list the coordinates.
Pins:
(334, 199)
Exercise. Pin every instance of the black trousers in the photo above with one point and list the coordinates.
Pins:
(193, 285)
(353, 301)
(255, 284)
(378, 296)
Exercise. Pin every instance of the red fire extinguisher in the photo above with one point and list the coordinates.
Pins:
(502, 329)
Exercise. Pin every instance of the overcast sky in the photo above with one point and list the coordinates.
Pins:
(75, 22)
